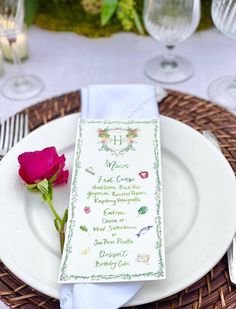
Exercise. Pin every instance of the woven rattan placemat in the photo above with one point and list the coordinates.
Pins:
(214, 290)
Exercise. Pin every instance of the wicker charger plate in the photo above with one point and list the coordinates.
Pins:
(214, 290)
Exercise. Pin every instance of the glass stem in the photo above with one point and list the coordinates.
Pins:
(169, 61)
(16, 61)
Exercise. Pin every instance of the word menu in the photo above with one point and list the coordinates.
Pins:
(115, 225)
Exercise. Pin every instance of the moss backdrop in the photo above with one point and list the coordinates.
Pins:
(95, 18)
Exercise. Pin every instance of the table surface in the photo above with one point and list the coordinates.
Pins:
(67, 62)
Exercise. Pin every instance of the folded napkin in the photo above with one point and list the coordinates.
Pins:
(111, 102)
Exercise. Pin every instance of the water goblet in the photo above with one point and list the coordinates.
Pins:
(223, 90)
(21, 86)
(170, 22)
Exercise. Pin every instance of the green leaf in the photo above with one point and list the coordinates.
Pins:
(31, 10)
(108, 9)
(142, 210)
(138, 23)
(43, 186)
(65, 216)
(50, 190)
(44, 197)
(32, 188)
(56, 224)
(83, 228)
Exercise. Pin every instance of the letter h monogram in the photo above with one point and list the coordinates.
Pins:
(117, 140)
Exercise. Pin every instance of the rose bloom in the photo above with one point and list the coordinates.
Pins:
(38, 165)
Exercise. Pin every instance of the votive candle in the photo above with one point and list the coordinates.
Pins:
(21, 47)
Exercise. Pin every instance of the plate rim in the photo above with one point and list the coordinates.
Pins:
(43, 290)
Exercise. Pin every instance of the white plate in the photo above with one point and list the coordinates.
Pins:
(199, 199)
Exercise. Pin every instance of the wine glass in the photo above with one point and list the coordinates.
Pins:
(21, 86)
(170, 22)
(223, 90)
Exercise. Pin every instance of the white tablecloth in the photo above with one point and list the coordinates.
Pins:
(66, 62)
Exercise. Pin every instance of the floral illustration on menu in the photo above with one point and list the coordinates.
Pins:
(115, 228)
(117, 141)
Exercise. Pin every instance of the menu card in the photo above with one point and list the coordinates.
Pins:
(115, 224)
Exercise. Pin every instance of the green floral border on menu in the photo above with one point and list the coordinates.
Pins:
(74, 195)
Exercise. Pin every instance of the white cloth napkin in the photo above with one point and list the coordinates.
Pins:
(111, 102)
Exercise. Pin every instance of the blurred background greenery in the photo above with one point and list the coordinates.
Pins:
(95, 18)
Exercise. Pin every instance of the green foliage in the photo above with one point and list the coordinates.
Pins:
(70, 16)
(108, 9)
(116, 15)
(31, 10)
(127, 15)
(32, 188)
(206, 21)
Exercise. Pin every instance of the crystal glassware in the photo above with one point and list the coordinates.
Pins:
(223, 90)
(170, 22)
(21, 86)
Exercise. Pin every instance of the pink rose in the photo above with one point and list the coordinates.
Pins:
(38, 165)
